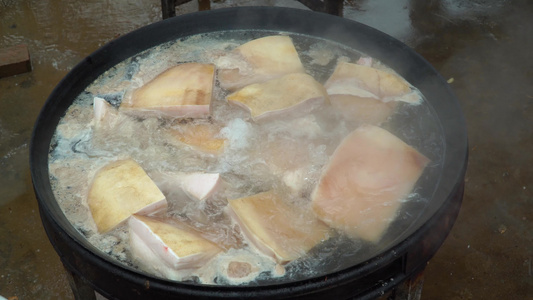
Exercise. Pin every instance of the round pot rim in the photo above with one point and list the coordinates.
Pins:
(449, 114)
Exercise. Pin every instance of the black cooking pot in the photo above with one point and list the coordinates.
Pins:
(405, 255)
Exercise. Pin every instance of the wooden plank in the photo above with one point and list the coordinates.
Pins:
(14, 60)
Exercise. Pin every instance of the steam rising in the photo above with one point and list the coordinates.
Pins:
(255, 157)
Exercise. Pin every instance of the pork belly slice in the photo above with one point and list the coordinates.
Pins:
(276, 228)
(201, 137)
(362, 110)
(181, 91)
(120, 189)
(360, 189)
(292, 95)
(368, 82)
(196, 185)
(257, 61)
(170, 250)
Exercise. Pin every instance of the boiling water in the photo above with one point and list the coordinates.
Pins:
(248, 164)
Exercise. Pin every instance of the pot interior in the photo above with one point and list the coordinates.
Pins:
(434, 127)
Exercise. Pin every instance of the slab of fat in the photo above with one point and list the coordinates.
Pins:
(257, 61)
(203, 137)
(368, 82)
(102, 110)
(294, 94)
(197, 185)
(282, 231)
(181, 91)
(120, 189)
(360, 189)
(168, 250)
(362, 110)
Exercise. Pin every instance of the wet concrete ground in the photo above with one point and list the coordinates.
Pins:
(482, 46)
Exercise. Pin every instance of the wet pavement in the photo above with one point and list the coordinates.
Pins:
(481, 46)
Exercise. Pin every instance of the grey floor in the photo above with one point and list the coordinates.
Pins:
(483, 47)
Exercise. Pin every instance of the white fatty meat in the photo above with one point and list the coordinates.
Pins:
(172, 251)
(368, 175)
(196, 185)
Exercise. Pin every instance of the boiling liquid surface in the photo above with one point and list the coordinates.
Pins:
(79, 150)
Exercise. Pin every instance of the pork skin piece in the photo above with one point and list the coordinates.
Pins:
(196, 185)
(292, 95)
(282, 231)
(105, 115)
(170, 251)
(102, 109)
(264, 59)
(360, 189)
(361, 110)
(368, 82)
(120, 189)
(201, 137)
(181, 91)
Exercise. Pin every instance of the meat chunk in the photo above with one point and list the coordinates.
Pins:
(362, 110)
(102, 109)
(257, 61)
(196, 185)
(169, 250)
(293, 94)
(368, 82)
(202, 137)
(120, 189)
(278, 229)
(369, 173)
(181, 91)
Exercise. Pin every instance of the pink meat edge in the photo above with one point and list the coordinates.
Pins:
(153, 208)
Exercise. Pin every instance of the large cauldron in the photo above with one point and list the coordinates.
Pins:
(397, 262)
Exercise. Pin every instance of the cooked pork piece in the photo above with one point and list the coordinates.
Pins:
(291, 95)
(276, 228)
(168, 250)
(181, 91)
(368, 82)
(362, 110)
(202, 137)
(106, 117)
(196, 185)
(258, 61)
(102, 109)
(368, 175)
(120, 189)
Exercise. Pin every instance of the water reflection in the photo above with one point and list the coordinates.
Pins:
(59, 30)
(58, 35)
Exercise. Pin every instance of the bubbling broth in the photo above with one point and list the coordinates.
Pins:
(285, 154)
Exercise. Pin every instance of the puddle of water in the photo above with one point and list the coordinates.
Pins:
(391, 17)
(58, 34)
(457, 8)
